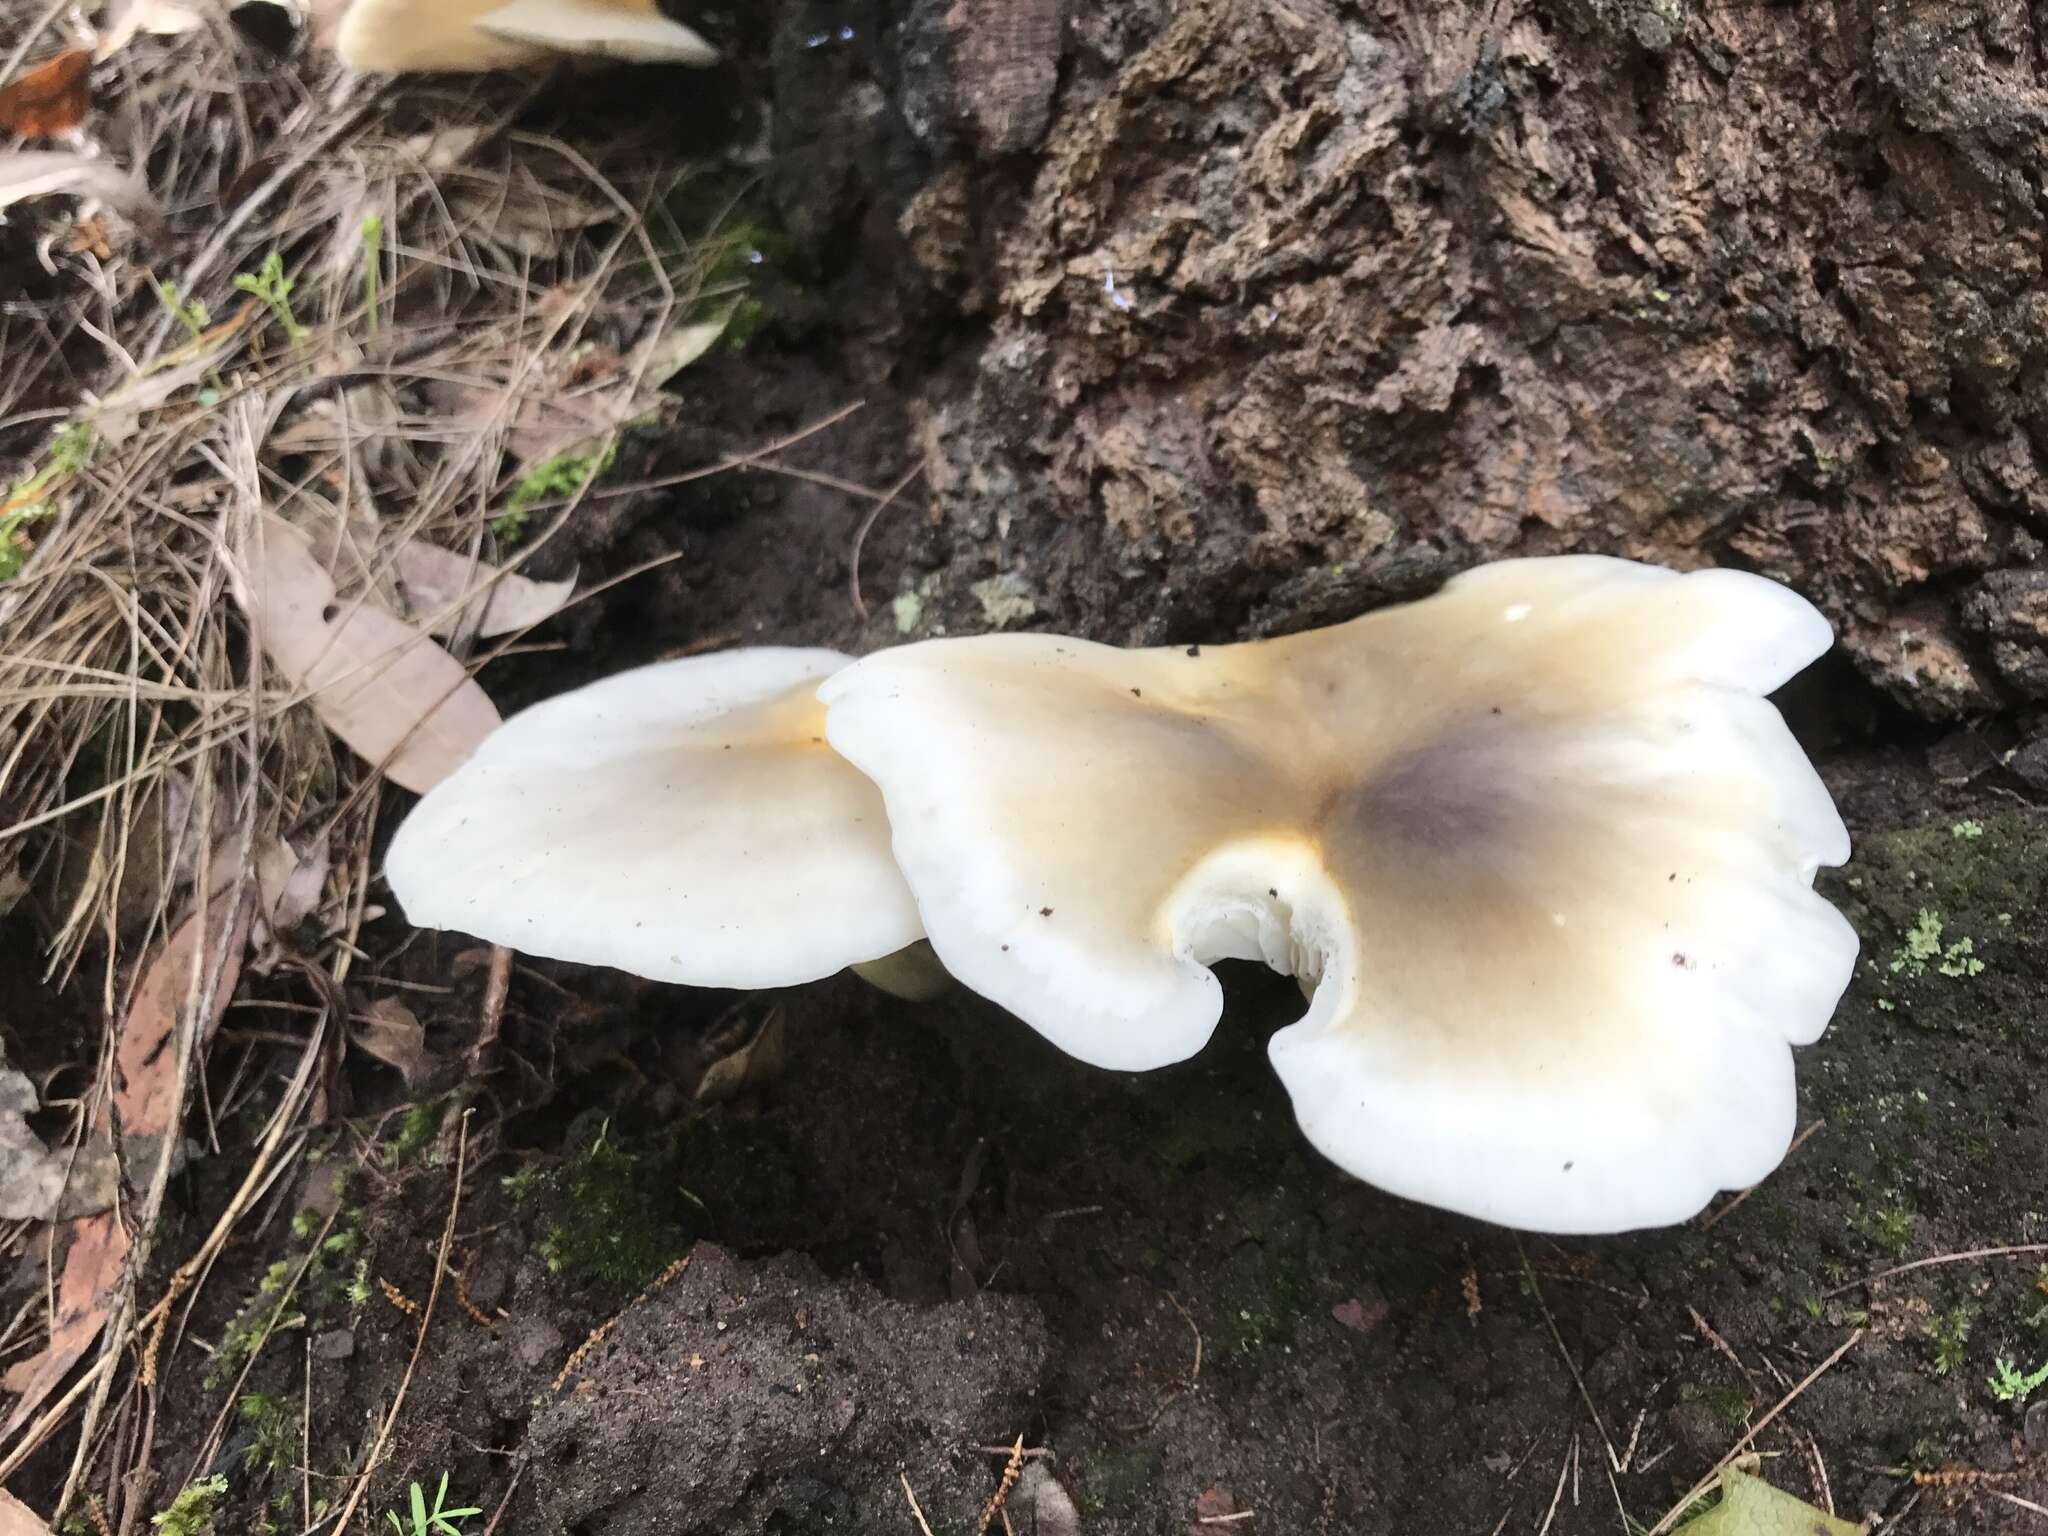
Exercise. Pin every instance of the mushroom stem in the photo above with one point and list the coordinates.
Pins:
(912, 973)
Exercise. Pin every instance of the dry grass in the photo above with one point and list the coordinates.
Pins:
(466, 299)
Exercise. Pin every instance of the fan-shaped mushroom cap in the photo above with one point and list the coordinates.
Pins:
(469, 35)
(684, 821)
(1543, 844)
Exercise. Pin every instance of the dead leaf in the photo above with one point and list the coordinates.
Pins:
(450, 592)
(290, 900)
(41, 1184)
(158, 18)
(391, 1032)
(745, 1056)
(27, 173)
(384, 688)
(1752, 1507)
(519, 213)
(1210, 1505)
(672, 351)
(92, 1269)
(17, 1519)
(145, 1104)
(50, 99)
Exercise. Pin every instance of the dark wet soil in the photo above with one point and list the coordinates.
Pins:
(933, 1234)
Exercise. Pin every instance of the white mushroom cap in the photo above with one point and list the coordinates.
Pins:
(1542, 844)
(469, 35)
(684, 821)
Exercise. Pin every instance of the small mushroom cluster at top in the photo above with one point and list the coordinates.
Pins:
(1537, 848)
(405, 36)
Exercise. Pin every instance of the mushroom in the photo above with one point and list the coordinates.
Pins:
(684, 821)
(1538, 844)
(469, 35)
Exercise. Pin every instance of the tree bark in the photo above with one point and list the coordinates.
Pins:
(1281, 308)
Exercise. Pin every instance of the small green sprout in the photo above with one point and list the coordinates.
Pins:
(555, 479)
(373, 267)
(1968, 831)
(439, 1521)
(358, 1289)
(269, 284)
(28, 499)
(190, 313)
(2010, 1385)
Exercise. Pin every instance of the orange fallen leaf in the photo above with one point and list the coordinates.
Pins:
(145, 1104)
(378, 683)
(50, 99)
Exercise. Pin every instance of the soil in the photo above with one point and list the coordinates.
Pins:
(1208, 320)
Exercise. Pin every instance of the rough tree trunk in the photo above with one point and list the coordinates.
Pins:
(1276, 308)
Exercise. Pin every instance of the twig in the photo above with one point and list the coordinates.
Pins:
(361, 1485)
(1002, 1493)
(860, 536)
(1714, 1475)
(505, 1503)
(28, 40)
(2017, 1250)
(2026, 1504)
(306, 1443)
(497, 987)
(1708, 1223)
(1579, 1381)
(1557, 1494)
(923, 1524)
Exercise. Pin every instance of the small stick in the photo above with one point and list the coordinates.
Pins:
(2017, 1250)
(497, 987)
(1714, 1475)
(860, 537)
(1557, 1494)
(419, 1343)
(306, 1442)
(923, 1524)
(1002, 1493)
(505, 1502)
(1707, 1223)
(1536, 1290)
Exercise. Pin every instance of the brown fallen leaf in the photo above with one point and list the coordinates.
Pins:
(378, 683)
(158, 18)
(449, 592)
(391, 1032)
(746, 1056)
(17, 1519)
(145, 1104)
(50, 99)
(92, 1269)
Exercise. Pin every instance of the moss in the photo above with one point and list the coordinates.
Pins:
(1935, 908)
(1259, 1299)
(1728, 1403)
(607, 1216)
(1116, 1482)
(191, 1512)
(1185, 1140)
